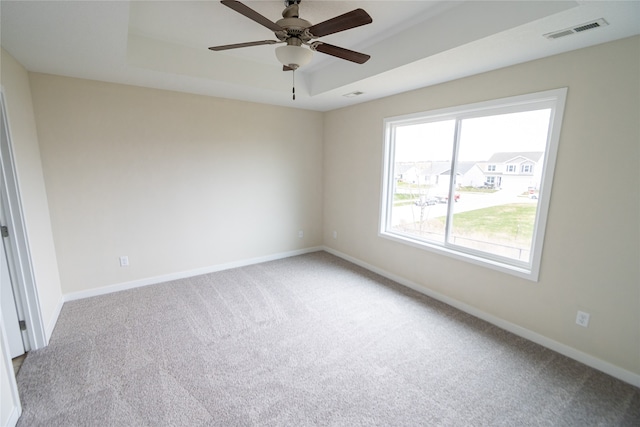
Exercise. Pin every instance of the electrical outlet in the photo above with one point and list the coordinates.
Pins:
(582, 319)
(300, 234)
(335, 234)
(124, 261)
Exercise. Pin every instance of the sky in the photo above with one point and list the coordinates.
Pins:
(480, 137)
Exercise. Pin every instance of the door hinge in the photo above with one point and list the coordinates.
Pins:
(5, 231)
(23, 325)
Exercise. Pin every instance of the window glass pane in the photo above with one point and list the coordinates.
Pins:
(422, 165)
(497, 213)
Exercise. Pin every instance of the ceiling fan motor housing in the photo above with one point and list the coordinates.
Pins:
(294, 28)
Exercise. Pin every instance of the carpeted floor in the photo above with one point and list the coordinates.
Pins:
(308, 340)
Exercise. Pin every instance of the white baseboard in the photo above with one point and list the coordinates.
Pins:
(14, 416)
(54, 319)
(601, 365)
(184, 274)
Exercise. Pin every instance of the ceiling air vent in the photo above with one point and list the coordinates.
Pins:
(353, 94)
(577, 29)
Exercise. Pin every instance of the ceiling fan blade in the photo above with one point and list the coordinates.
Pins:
(252, 14)
(238, 45)
(340, 52)
(349, 20)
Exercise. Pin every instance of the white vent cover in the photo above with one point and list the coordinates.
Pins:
(353, 94)
(577, 29)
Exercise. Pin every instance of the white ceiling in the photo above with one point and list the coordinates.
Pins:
(163, 44)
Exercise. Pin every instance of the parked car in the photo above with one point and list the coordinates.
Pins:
(425, 201)
(445, 198)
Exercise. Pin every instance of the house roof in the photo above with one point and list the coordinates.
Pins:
(424, 168)
(401, 168)
(509, 156)
(440, 167)
(463, 167)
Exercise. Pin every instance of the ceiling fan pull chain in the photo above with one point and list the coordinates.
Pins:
(293, 74)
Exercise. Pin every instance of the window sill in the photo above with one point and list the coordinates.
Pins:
(524, 271)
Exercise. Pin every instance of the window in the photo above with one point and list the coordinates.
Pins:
(453, 206)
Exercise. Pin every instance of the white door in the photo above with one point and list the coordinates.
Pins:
(9, 311)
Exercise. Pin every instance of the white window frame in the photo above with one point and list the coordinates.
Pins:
(553, 99)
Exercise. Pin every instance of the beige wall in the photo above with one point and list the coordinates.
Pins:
(26, 152)
(592, 248)
(176, 182)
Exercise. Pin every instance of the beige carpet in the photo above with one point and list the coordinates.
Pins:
(308, 340)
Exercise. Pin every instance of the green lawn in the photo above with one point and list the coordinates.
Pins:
(401, 196)
(400, 199)
(411, 186)
(511, 222)
(476, 190)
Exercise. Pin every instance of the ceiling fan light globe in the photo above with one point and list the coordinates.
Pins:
(293, 56)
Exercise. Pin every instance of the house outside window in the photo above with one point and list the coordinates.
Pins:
(459, 210)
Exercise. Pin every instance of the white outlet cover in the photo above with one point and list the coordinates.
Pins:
(124, 261)
(582, 319)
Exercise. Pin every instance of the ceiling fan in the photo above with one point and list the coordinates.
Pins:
(296, 32)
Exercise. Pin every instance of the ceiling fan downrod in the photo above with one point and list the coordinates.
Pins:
(293, 74)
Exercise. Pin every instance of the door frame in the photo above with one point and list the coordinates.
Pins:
(17, 250)
(8, 308)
